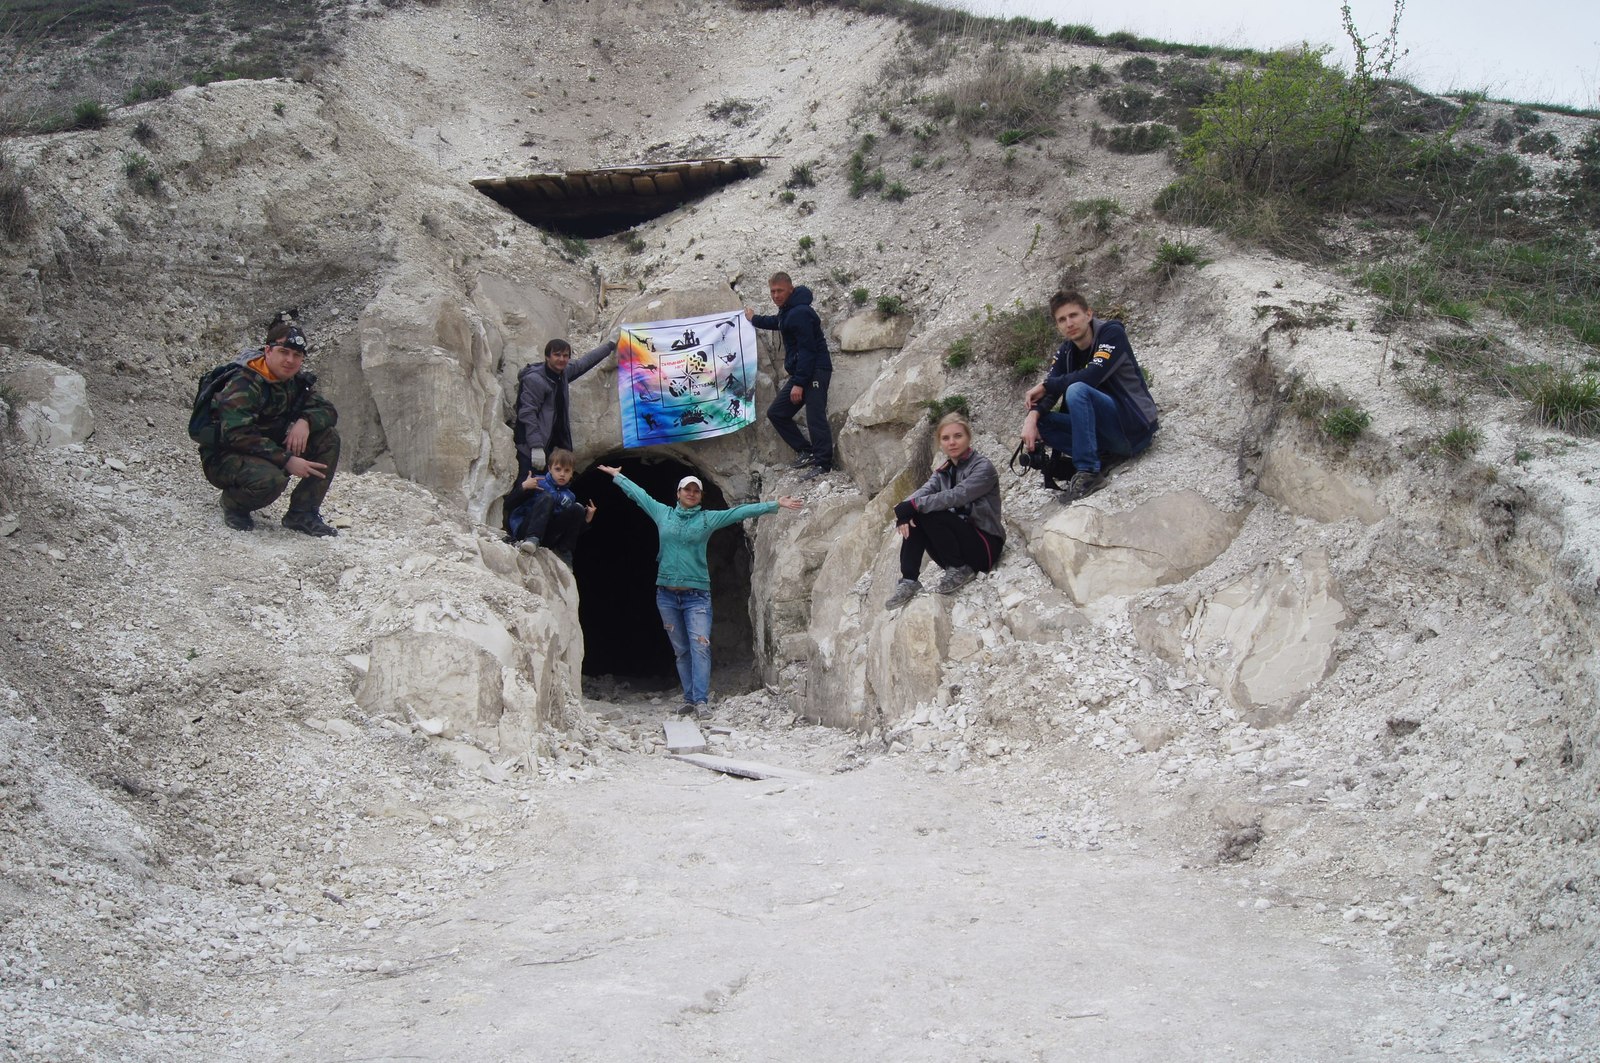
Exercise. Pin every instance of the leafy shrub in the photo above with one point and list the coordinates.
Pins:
(1582, 182)
(1129, 103)
(149, 89)
(891, 305)
(897, 192)
(800, 176)
(1019, 338)
(859, 296)
(1568, 402)
(1098, 212)
(144, 132)
(1134, 139)
(1002, 93)
(1541, 143)
(937, 408)
(1139, 68)
(633, 243)
(1330, 412)
(1459, 442)
(1172, 256)
(142, 174)
(959, 353)
(88, 114)
(1345, 424)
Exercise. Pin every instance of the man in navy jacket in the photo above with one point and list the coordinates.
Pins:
(807, 369)
(1106, 407)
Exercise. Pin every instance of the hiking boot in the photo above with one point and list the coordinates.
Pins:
(805, 458)
(904, 591)
(238, 519)
(956, 578)
(308, 522)
(816, 471)
(1082, 485)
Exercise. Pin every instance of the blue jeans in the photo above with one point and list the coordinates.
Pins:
(1087, 428)
(687, 618)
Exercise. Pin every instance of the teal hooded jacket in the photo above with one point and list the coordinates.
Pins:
(684, 532)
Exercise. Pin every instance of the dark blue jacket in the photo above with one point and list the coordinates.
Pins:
(1108, 365)
(805, 348)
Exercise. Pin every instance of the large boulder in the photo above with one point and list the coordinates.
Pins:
(496, 673)
(1266, 638)
(425, 358)
(50, 402)
(871, 330)
(887, 425)
(1091, 552)
(1306, 486)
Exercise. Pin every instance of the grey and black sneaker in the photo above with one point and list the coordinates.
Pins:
(817, 469)
(238, 519)
(805, 458)
(703, 711)
(308, 522)
(956, 578)
(904, 591)
(1082, 485)
(686, 709)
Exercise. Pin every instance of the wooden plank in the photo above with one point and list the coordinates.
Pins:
(748, 769)
(683, 736)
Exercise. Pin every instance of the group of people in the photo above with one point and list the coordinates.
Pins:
(260, 422)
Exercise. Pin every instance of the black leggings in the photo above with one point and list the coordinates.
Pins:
(951, 541)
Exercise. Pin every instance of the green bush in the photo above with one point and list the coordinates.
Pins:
(800, 176)
(937, 408)
(1098, 212)
(1172, 256)
(1002, 93)
(897, 192)
(1460, 442)
(1020, 338)
(959, 353)
(1345, 424)
(891, 305)
(1139, 68)
(88, 114)
(1129, 103)
(1568, 402)
(734, 112)
(859, 296)
(142, 174)
(1540, 143)
(148, 89)
(1134, 139)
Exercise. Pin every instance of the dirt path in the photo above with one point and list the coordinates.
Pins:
(669, 913)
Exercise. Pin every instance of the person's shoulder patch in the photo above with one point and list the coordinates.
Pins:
(1104, 352)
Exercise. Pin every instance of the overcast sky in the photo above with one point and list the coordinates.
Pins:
(1541, 51)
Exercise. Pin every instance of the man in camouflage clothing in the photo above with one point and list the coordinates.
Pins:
(271, 425)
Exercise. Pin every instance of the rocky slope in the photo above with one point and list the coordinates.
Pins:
(1356, 684)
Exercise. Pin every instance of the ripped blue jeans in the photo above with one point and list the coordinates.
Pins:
(686, 615)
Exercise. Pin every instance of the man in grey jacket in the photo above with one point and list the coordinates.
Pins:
(544, 422)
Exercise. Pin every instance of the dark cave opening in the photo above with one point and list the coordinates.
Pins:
(615, 568)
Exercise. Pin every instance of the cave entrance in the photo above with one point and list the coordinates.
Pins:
(612, 199)
(615, 568)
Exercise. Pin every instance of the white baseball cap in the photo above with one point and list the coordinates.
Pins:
(687, 480)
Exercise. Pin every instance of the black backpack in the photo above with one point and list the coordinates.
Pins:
(203, 427)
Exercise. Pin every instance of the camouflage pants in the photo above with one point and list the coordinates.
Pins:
(249, 483)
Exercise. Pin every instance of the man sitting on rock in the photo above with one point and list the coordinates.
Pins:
(270, 423)
(1105, 406)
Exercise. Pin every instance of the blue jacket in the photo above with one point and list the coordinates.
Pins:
(1109, 366)
(684, 531)
(805, 348)
(563, 496)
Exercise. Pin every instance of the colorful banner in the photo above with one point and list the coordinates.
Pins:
(691, 378)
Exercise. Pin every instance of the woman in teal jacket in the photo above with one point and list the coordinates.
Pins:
(683, 581)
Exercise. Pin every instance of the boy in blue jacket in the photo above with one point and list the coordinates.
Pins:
(550, 515)
(1105, 406)
(807, 370)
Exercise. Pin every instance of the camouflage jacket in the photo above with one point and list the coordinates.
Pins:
(254, 413)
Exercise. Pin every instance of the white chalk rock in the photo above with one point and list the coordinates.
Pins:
(52, 402)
